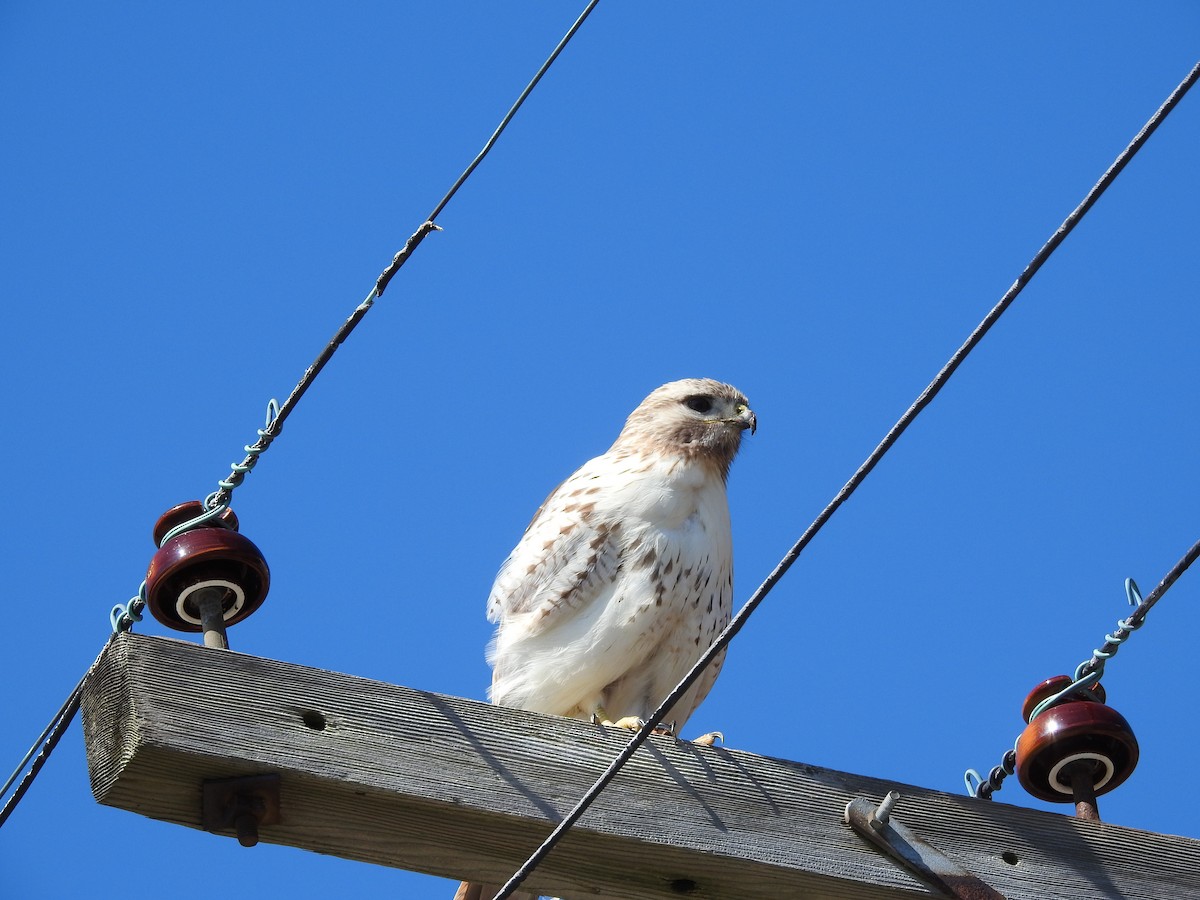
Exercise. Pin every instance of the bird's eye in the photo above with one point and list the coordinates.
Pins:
(700, 404)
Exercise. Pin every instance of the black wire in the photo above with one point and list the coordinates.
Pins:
(512, 112)
(1135, 619)
(272, 429)
(382, 283)
(925, 398)
(47, 741)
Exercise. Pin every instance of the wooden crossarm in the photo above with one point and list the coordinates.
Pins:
(452, 787)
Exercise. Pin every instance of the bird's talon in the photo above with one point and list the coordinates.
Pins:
(629, 723)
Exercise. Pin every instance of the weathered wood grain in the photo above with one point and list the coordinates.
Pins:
(457, 788)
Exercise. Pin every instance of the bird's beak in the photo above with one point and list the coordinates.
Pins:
(747, 419)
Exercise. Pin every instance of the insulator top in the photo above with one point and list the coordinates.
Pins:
(177, 515)
(1052, 686)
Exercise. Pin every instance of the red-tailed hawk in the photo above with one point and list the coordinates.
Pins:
(625, 575)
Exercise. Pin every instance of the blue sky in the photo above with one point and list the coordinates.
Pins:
(814, 202)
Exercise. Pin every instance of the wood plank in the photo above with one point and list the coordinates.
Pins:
(461, 789)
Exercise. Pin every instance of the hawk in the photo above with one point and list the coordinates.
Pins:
(625, 575)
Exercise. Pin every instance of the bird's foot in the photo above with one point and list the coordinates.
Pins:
(628, 723)
(710, 739)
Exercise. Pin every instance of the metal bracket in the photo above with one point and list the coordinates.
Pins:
(901, 844)
(241, 804)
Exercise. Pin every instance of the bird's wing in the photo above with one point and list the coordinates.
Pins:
(568, 557)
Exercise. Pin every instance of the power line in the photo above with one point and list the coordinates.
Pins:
(275, 424)
(123, 616)
(1138, 616)
(923, 400)
(45, 745)
(512, 112)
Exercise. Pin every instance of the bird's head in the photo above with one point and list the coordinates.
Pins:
(696, 417)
